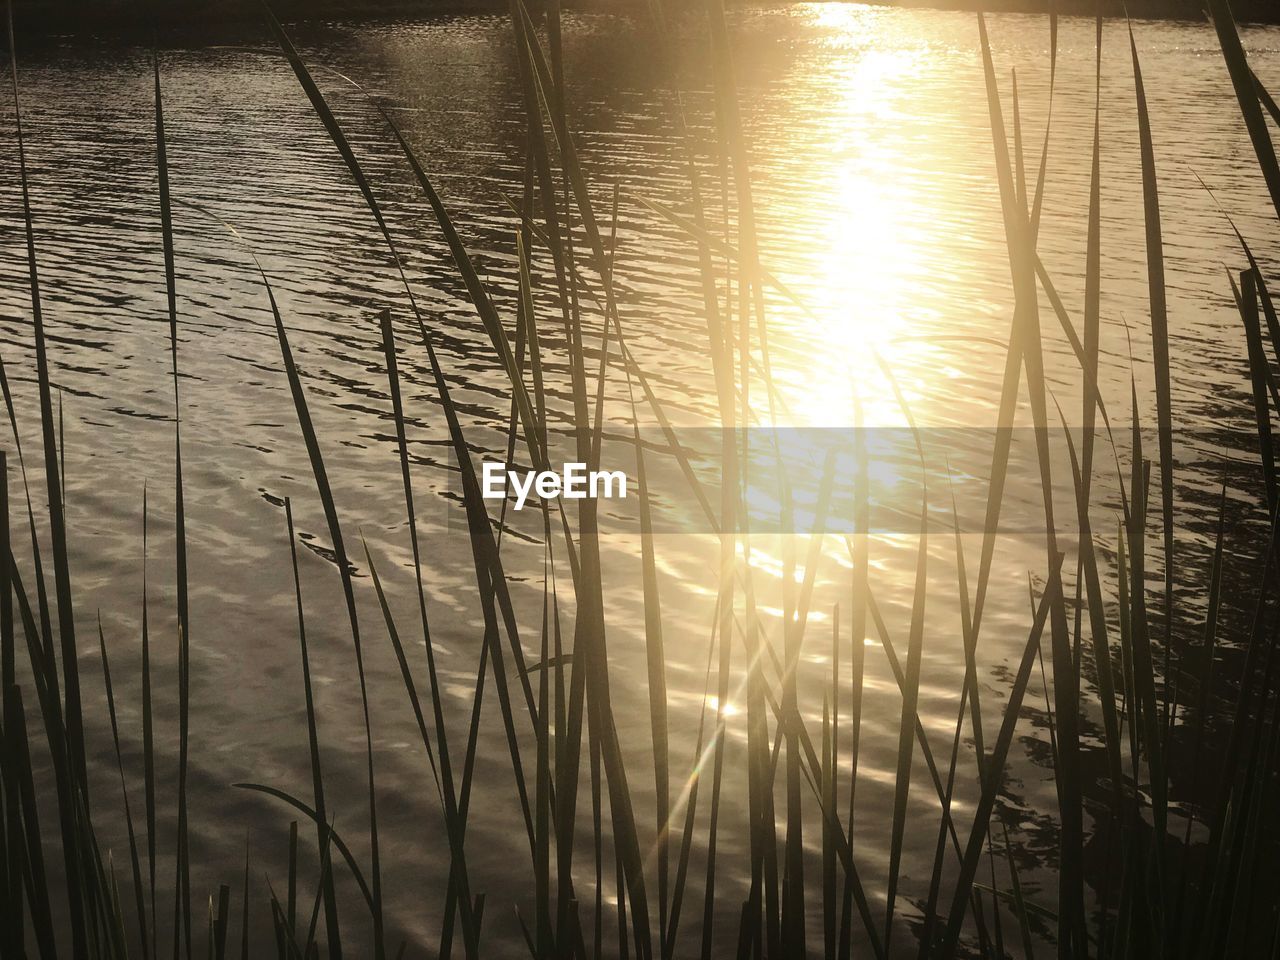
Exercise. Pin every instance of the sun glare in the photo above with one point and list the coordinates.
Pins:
(855, 276)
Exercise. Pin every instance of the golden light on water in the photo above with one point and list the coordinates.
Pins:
(855, 279)
(783, 614)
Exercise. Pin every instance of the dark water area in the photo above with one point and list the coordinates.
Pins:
(55, 17)
(871, 158)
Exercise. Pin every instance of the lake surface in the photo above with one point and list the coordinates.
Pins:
(873, 171)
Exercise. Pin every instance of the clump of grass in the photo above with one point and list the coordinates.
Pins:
(1171, 896)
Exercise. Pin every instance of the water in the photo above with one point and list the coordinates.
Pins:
(872, 164)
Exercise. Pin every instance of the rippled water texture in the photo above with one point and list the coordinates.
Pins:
(872, 164)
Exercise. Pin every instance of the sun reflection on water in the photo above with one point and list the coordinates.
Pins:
(864, 250)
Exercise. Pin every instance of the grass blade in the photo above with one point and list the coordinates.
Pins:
(332, 926)
(1242, 78)
(139, 896)
(994, 778)
(906, 727)
(1160, 350)
(182, 888)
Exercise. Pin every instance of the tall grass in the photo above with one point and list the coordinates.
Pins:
(1186, 856)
